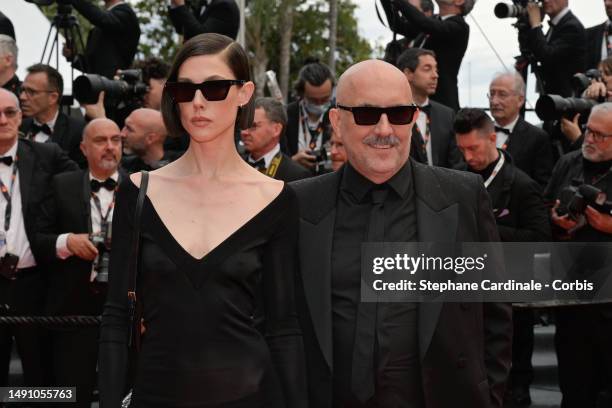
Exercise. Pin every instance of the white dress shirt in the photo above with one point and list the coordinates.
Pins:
(42, 137)
(267, 157)
(17, 242)
(502, 138)
(422, 125)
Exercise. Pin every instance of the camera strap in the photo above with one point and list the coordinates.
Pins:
(274, 165)
(8, 193)
(97, 203)
(496, 170)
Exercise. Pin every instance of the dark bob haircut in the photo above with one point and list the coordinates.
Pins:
(208, 44)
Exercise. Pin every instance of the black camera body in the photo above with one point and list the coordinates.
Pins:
(322, 160)
(8, 266)
(129, 88)
(574, 199)
(102, 242)
(581, 81)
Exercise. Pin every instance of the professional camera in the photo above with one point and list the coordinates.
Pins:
(129, 88)
(516, 9)
(574, 199)
(322, 160)
(581, 81)
(102, 242)
(552, 107)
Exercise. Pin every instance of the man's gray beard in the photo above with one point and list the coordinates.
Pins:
(109, 164)
(374, 140)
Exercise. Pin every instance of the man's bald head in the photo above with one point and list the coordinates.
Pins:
(150, 120)
(11, 96)
(370, 73)
(101, 125)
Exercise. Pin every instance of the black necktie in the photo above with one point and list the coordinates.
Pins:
(259, 164)
(36, 128)
(426, 109)
(8, 160)
(502, 129)
(364, 349)
(108, 184)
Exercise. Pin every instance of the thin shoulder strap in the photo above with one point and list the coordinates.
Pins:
(135, 247)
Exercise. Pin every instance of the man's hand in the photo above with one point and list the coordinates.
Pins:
(176, 3)
(416, 4)
(601, 222)
(571, 129)
(81, 246)
(535, 14)
(305, 159)
(596, 90)
(564, 222)
(96, 111)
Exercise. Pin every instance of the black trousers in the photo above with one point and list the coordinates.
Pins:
(23, 297)
(521, 374)
(583, 340)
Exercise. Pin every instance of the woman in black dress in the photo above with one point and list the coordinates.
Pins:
(217, 250)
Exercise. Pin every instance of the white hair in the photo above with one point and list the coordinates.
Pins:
(12, 96)
(517, 79)
(604, 108)
(8, 46)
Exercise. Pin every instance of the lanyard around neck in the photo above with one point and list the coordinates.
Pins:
(8, 193)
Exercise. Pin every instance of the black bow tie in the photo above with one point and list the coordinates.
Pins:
(502, 129)
(426, 109)
(259, 164)
(108, 184)
(41, 128)
(8, 160)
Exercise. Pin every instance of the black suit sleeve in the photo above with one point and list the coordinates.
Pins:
(220, 21)
(114, 327)
(533, 217)
(46, 234)
(6, 26)
(61, 161)
(569, 41)
(118, 19)
(442, 29)
(397, 23)
(282, 330)
(497, 316)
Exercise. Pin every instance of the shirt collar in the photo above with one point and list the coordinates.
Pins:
(268, 156)
(511, 125)
(446, 17)
(50, 123)
(12, 152)
(114, 5)
(359, 186)
(559, 16)
(114, 176)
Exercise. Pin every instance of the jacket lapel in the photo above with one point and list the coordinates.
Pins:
(59, 129)
(434, 135)
(437, 220)
(25, 166)
(316, 239)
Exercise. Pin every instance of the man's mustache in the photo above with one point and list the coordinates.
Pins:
(374, 140)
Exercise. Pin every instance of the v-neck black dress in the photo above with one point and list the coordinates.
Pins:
(201, 347)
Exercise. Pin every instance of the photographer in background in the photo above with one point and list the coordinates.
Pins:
(154, 73)
(208, 16)
(559, 53)
(8, 64)
(76, 244)
(446, 35)
(307, 118)
(112, 43)
(599, 40)
(584, 332)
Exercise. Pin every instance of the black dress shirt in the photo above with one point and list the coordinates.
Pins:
(397, 378)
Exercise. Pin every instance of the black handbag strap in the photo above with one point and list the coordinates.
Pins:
(134, 249)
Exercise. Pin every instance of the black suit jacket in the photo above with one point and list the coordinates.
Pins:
(444, 151)
(561, 57)
(113, 42)
(65, 209)
(288, 170)
(531, 151)
(6, 26)
(448, 39)
(220, 16)
(464, 348)
(289, 141)
(594, 43)
(67, 133)
(518, 206)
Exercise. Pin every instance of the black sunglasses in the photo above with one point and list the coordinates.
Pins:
(370, 115)
(212, 90)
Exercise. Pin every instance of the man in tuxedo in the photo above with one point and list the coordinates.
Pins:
(40, 97)
(307, 120)
(560, 52)
(6, 26)
(447, 35)
(143, 137)
(112, 43)
(433, 140)
(599, 40)
(520, 215)
(261, 141)
(435, 355)
(8, 64)
(209, 16)
(73, 239)
(26, 170)
(529, 146)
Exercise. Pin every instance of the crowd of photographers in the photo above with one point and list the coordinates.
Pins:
(59, 171)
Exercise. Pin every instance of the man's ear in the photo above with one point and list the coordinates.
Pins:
(278, 129)
(334, 119)
(245, 93)
(83, 149)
